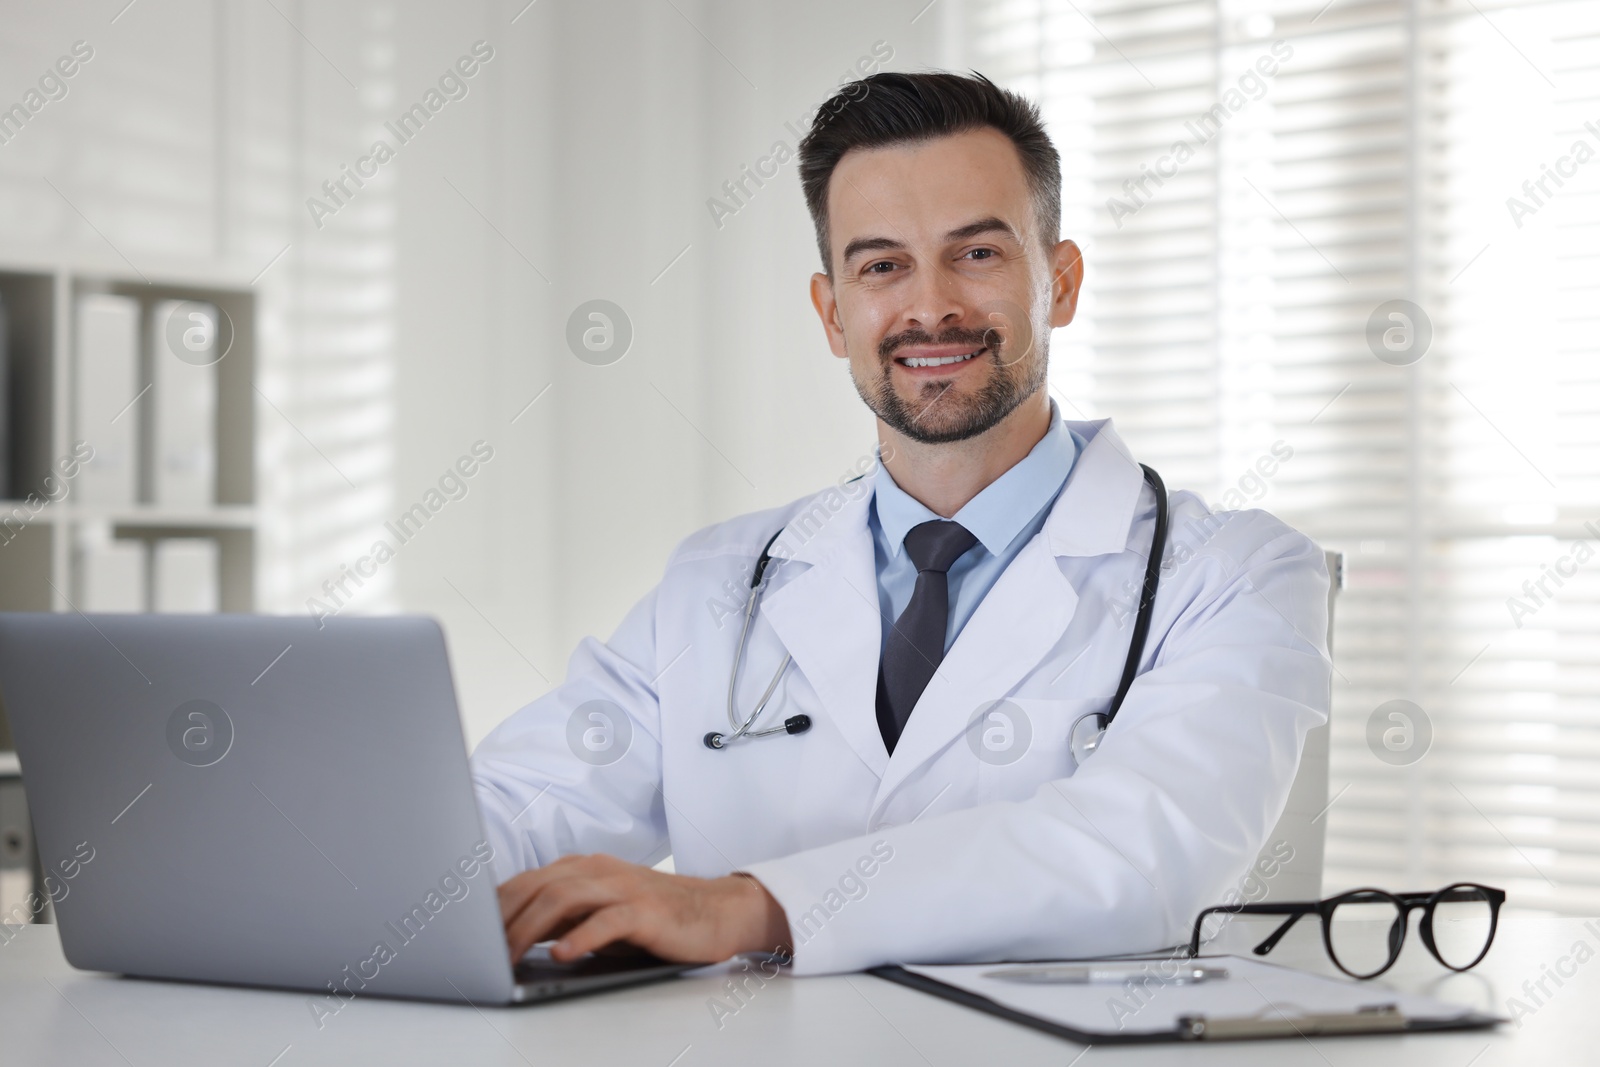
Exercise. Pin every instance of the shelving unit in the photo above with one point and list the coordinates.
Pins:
(36, 545)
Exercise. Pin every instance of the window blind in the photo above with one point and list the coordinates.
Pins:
(1254, 184)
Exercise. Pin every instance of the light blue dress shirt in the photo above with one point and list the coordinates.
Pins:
(1004, 517)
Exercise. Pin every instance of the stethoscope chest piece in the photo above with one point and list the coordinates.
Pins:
(794, 724)
(1086, 735)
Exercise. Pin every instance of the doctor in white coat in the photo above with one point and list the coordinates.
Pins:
(935, 627)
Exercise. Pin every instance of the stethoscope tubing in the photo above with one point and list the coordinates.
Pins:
(800, 723)
(715, 740)
(1147, 594)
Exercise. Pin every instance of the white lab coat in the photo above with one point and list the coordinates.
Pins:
(936, 854)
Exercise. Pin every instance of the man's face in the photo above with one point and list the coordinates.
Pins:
(942, 296)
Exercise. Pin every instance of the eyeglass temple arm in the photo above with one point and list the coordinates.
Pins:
(1273, 938)
(1251, 909)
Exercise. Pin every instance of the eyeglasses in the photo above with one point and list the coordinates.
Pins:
(1364, 928)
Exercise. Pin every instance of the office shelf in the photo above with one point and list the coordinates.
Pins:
(37, 570)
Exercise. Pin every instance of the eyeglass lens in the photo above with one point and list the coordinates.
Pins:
(1365, 931)
(1463, 921)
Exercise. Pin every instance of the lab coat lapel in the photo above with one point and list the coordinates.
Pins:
(827, 616)
(1023, 615)
(1026, 612)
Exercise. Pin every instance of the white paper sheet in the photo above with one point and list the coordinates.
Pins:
(1144, 1005)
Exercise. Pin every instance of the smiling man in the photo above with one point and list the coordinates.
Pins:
(887, 756)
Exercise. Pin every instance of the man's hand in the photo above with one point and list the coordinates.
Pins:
(592, 901)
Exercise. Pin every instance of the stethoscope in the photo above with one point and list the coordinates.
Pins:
(1087, 730)
(794, 724)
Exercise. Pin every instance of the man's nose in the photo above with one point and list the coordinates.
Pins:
(936, 299)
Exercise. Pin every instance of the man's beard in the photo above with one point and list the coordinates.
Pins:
(939, 414)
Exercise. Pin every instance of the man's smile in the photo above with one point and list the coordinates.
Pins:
(937, 361)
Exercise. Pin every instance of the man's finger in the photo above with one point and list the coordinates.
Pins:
(514, 893)
(614, 923)
(559, 902)
(517, 893)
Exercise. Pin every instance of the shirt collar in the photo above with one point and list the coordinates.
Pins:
(1000, 512)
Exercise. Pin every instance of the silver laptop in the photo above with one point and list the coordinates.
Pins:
(266, 801)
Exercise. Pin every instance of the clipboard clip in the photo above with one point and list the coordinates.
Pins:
(1373, 1018)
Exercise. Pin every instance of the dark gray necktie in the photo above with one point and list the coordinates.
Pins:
(915, 645)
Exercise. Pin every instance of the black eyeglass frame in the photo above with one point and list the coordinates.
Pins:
(1404, 903)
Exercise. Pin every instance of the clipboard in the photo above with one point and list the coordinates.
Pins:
(1384, 1016)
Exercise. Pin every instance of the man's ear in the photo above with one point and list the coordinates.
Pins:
(1066, 279)
(822, 299)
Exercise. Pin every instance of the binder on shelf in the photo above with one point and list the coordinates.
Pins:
(185, 575)
(105, 387)
(1249, 999)
(183, 411)
(111, 573)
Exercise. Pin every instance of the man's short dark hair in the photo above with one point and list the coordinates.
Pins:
(892, 108)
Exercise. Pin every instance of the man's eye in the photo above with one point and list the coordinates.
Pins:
(988, 253)
(873, 268)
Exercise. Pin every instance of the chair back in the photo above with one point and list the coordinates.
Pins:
(1303, 827)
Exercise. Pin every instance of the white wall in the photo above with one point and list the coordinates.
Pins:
(186, 147)
(415, 321)
(601, 131)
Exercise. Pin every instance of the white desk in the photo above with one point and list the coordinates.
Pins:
(51, 1014)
